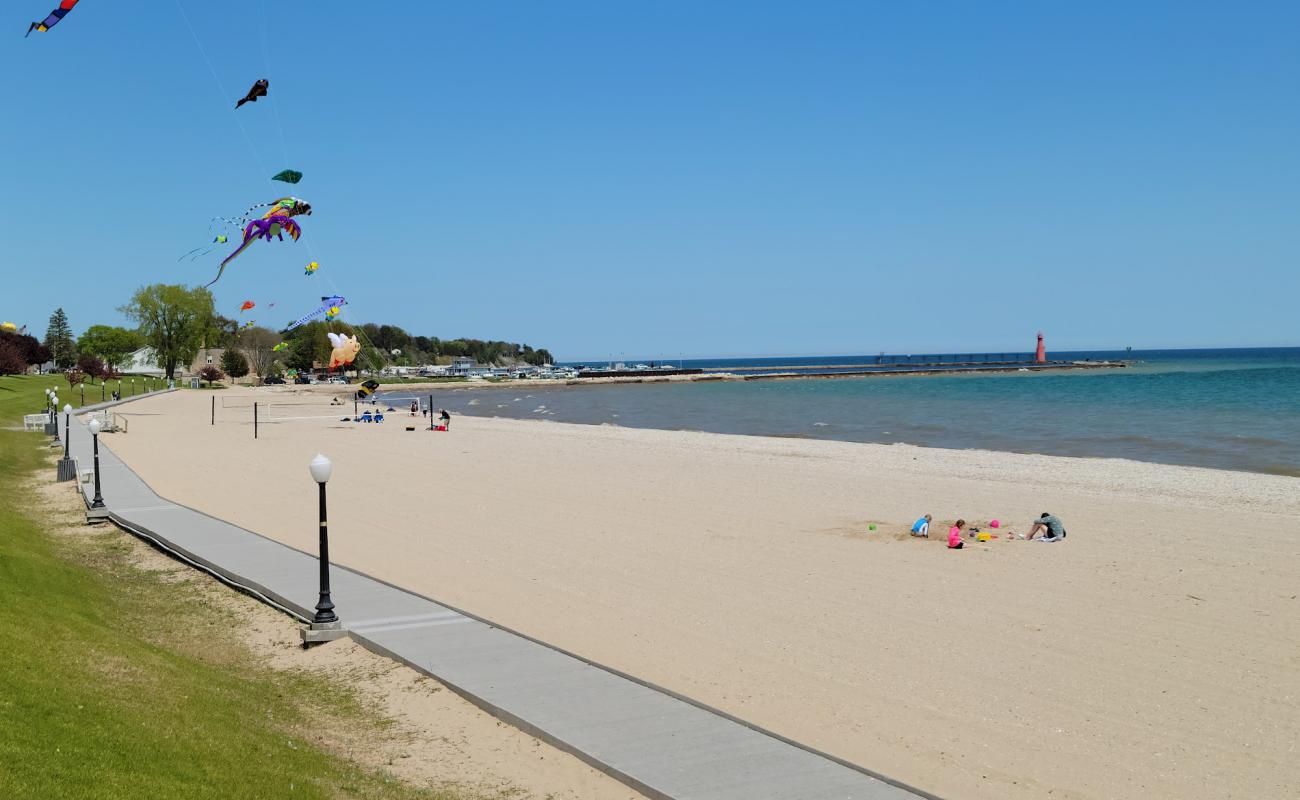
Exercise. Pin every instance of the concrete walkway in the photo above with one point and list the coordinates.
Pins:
(661, 744)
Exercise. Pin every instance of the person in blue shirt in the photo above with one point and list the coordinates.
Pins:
(366, 417)
(922, 527)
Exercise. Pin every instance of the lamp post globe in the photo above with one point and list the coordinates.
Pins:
(320, 468)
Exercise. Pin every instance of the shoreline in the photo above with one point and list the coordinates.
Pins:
(741, 571)
(713, 376)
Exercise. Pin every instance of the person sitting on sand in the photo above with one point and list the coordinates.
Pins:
(365, 416)
(922, 527)
(1053, 530)
(336, 401)
(954, 535)
(379, 416)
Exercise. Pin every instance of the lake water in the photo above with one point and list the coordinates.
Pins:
(1233, 409)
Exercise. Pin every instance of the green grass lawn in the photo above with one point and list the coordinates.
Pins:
(25, 394)
(112, 685)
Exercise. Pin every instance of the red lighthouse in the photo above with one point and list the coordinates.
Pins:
(1040, 356)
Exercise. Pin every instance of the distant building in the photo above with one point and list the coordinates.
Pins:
(208, 357)
(463, 366)
(143, 362)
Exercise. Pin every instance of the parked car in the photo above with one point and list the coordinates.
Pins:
(272, 380)
(303, 379)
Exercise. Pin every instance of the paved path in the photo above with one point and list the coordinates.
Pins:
(661, 744)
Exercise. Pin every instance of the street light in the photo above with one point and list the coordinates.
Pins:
(67, 471)
(67, 432)
(94, 426)
(54, 416)
(320, 468)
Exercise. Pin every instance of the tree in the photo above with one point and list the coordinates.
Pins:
(258, 344)
(172, 321)
(58, 338)
(234, 363)
(74, 376)
(110, 344)
(91, 367)
(211, 374)
(28, 348)
(11, 359)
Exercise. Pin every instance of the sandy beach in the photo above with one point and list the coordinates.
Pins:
(1153, 654)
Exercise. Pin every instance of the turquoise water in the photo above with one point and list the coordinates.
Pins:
(1232, 409)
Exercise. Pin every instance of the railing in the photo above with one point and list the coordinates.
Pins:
(112, 423)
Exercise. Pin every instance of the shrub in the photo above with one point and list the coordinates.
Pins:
(211, 374)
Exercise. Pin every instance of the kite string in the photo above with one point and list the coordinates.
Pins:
(275, 107)
(220, 87)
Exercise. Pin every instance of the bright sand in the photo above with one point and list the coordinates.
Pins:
(1153, 654)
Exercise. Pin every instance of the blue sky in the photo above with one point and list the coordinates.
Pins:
(655, 178)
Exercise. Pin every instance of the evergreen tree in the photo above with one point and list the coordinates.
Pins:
(58, 338)
(234, 364)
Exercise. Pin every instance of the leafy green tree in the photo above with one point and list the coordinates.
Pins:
(110, 344)
(172, 320)
(58, 338)
(233, 363)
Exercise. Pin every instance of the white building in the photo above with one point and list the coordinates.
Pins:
(143, 362)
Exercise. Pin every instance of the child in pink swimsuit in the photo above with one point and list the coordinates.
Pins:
(954, 535)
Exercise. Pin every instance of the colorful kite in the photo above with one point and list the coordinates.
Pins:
(368, 388)
(247, 305)
(329, 305)
(287, 175)
(53, 19)
(250, 323)
(258, 90)
(279, 347)
(345, 349)
(275, 222)
(311, 268)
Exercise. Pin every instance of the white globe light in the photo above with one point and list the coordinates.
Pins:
(67, 408)
(94, 426)
(320, 467)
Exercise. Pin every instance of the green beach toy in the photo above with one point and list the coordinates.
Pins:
(871, 527)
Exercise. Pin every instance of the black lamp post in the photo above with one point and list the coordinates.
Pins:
(67, 469)
(320, 471)
(54, 416)
(98, 501)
